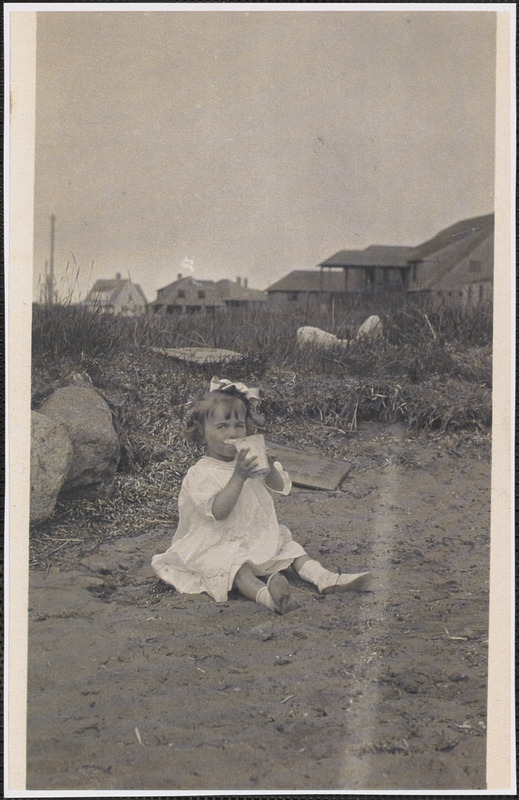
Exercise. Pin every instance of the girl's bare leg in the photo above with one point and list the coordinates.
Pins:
(298, 562)
(247, 583)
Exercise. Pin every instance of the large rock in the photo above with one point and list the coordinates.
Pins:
(88, 421)
(315, 337)
(309, 336)
(51, 457)
(371, 327)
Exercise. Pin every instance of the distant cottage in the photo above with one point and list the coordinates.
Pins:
(189, 295)
(455, 264)
(119, 295)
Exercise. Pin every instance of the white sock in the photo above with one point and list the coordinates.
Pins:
(264, 598)
(315, 573)
(327, 581)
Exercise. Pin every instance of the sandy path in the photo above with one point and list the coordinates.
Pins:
(132, 686)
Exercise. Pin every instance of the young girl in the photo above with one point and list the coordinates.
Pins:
(228, 534)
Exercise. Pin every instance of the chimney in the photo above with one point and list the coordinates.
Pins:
(245, 283)
(117, 276)
(238, 281)
(179, 277)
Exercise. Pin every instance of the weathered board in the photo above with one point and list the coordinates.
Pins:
(309, 470)
(199, 355)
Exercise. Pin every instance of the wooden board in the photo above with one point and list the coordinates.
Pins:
(199, 355)
(309, 470)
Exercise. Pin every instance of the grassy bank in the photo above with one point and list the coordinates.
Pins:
(428, 369)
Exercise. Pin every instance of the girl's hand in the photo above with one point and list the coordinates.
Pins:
(245, 467)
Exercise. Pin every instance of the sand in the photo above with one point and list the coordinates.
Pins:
(135, 687)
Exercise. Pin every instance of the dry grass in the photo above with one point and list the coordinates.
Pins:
(430, 371)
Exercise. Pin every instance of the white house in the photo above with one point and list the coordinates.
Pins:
(119, 295)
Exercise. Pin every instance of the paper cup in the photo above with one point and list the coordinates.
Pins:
(256, 446)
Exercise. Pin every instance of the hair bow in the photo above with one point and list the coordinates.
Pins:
(223, 385)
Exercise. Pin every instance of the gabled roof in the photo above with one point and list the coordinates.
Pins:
(376, 255)
(107, 290)
(170, 291)
(473, 230)
(187, 280)
(138, 288)
(475, 267)
(223, 289)
(445, 257)
(305, 280)
(230, 290)
(108, 285)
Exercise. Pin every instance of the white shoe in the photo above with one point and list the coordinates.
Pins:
(279, 589)
(345, 583)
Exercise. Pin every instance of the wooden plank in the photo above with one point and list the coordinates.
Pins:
(309, 470)
(199, 355)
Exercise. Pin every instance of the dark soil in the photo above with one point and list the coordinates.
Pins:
(132, 686)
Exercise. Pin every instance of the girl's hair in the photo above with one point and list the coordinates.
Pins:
(199, 410)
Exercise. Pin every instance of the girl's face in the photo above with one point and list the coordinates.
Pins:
(226, 421)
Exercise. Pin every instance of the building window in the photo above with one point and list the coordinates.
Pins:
(201, 294)
(293, 295)
(181, 293)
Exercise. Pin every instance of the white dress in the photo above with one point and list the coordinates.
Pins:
(206, 553)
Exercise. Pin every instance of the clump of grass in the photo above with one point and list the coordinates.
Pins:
(451, 405)
(418, 324)
(72, 338)
(74, 331)
(437, 404)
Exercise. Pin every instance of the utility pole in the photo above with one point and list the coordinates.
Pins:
(44, 288)
(50, 277)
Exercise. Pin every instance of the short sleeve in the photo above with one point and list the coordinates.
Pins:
(287, 483)
(199, 489)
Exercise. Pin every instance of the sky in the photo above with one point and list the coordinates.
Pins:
(225, 143)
